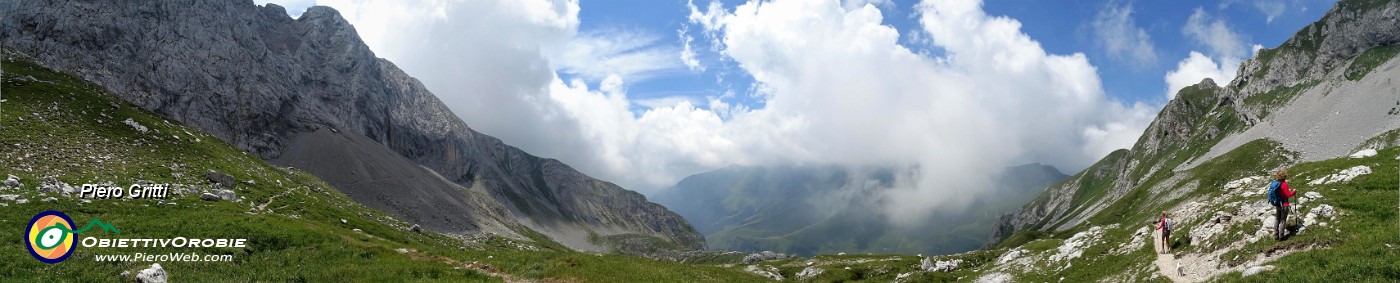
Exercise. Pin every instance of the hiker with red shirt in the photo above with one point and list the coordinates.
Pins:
(1278, 197)
(1165, 224)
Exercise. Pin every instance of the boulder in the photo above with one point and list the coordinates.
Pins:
(52, 185)
(136, 126)
(770, 272)
(208, 197)
(12, 182)
(1342, 176)
(1324, 211)
(928, 264)
(219, 178)
(226, 195)
(809, 273)
(416, 228)
(153, 274)
(1312, 195)
(764, 255)
(1364, 153)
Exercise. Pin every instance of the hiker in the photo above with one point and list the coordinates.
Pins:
(1278, 197)
(1165, 224)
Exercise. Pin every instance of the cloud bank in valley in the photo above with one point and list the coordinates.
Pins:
(836, 85)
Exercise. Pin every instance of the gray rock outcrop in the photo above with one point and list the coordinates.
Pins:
(209, 197)
(764, 256)
(219, 178)
(153, 274)
(226, 195)
(12, 182)
(280, 87)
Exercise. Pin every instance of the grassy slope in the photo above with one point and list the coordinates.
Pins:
(58, 125)
(1351, 249)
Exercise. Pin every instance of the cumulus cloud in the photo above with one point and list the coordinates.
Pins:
(1197, 67)
(838, 88)
(1119, 35)
(954, 118)
(1227, 49)
(1214, 34)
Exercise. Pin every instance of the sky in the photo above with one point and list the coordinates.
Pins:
(643, 93)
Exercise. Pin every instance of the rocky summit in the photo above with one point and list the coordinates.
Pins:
(308, 93)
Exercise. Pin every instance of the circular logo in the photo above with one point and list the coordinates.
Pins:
(49, 236)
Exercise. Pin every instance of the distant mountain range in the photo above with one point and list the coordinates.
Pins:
(810, 210)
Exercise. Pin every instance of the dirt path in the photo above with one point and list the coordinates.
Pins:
(1166, 261)
(1199, 267)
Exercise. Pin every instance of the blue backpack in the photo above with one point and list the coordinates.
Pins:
(1274, 198)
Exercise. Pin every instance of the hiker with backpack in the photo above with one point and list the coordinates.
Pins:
(1278, 197)
(1165, 224)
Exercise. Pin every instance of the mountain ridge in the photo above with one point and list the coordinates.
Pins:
(1206, 120)
(255, 77)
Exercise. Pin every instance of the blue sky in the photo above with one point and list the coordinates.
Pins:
(643, 93)
(1062, 27)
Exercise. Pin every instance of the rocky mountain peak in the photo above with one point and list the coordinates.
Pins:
(1322, 47)
(308, 91)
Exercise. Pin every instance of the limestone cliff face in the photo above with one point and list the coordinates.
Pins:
(1348, 29)
(261, 80)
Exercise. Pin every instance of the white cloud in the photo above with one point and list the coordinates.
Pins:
(857, 4)
(838, 88)
(1119, 34)
(630, 54)
(687, 55)
(1227, 49)
(1214, 34)
(294, 7)
(958, 117)
(1197, 67)
(1270, 8)
(660, 102)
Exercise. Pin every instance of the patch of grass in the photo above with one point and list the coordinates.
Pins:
(1388, 139)
(1043, 245)
(1098, 262)
(1254, 158)
(1023, 237)
(1368, 60)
